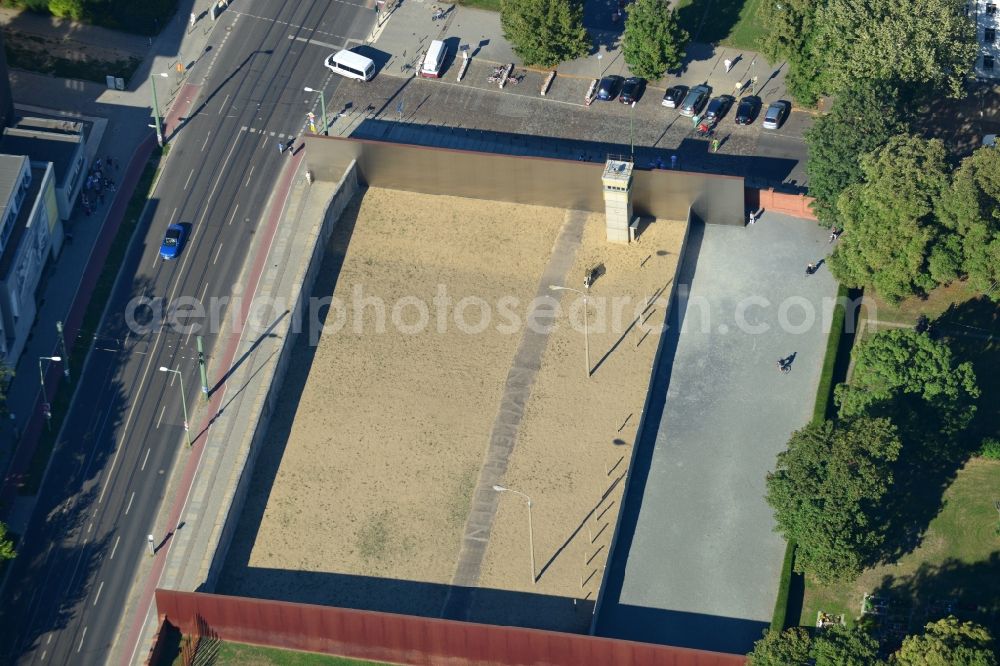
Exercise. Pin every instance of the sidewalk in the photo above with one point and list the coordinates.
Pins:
(126, 114)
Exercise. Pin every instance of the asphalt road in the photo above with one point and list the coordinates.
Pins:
(69, 588)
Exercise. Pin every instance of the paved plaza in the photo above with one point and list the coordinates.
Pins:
(697, 561)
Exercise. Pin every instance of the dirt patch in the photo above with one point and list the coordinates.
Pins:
(67, 58)
(370, 498)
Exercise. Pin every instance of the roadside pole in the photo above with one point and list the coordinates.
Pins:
(201, 366)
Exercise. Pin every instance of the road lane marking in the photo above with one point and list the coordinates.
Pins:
(188, 181)
(130, 503)
(143, 468)
(206, 140)
(173, 216)
(161, 417)
(98, 595)
(250, 175)
(233, 216)
(82, 639)
(187, 338)
(217, 253)
(115, 547)
(223, 107)
(314, 42)
(90, 527)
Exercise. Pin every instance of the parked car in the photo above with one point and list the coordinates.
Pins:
(776, 114)
(172, 243)
(718, 108)
(674, 96)
(747, 110)
(695, 101)
(632, 90)
(609, 87)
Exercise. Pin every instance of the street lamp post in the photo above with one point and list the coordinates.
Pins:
(322, 102)
(41, 381)
(62, 344)
(586, 322)
(599, 57)
(187, 431)
(156, 109)
(531, 534)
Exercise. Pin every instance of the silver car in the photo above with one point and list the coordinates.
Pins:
(776, 114)
(695, 101)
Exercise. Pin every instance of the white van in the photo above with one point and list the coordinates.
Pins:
(352, 65)
(434, 60)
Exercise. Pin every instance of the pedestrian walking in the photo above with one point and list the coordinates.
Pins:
(673, 161)
(729, 64)
(753, 217)
(281, 146)
(715, 145)
(288, 146)
(810, 269)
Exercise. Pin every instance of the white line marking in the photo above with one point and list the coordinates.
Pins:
(115, 547)
(98, 595)
(187, 338)
(249, 175)
(188, 181)
(233, 216)
(217, 253)
(173, 216)
(81, 639)
(90, 527)
(149, 363)
(223, 107)
(130, 503)
(206, 140)
(143, 468)
(44, 652)
(161, 416)
(314, 42)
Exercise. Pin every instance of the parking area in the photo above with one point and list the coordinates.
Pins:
(697, 562)
(568, 127)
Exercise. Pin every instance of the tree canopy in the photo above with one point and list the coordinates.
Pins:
(858, 124)
(653, 42)
(924, 43)
(901, 372)
(6, 544)
(948, 642)
(970, 208)
(835, 646)
(826, 490)
(545, 32)
(782, 648)
(889, 221)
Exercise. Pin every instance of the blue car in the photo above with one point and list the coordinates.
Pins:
(173, 241)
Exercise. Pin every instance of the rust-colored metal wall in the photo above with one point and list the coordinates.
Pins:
(538, 181)
(796, 205)
(407, 639)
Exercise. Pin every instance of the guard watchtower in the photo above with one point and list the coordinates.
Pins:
(617, 182)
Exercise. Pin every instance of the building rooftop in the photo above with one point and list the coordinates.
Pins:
(10, 172)
(44, 146)
(23, 216)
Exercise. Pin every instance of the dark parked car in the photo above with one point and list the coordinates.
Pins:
(173, 241)
(776, 114)
(695, 100)
(747, 110)
(674, 96)
(632, 90)
(718, 108)
(609, 87)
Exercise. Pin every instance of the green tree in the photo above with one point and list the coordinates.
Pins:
(6, 544)
(857, 124)
(71, 9)
(948, 642)
(904, 374)
(789, 35)
(846, 646)
(970, 208)
(921, 44)
(890, 227)
(545, 32)
(654, 41)
(785, 648)
(6, 374)
(826, 490)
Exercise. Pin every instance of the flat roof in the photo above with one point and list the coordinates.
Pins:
(37, 176)
(10, 172)
(43, 146)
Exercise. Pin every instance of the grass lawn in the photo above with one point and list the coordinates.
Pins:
(907, 311)
(733, 23)
(959, 558)
(241, 654)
